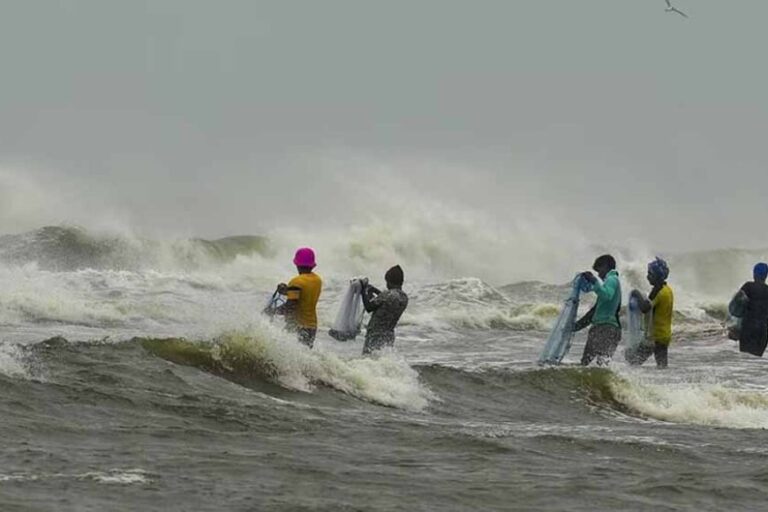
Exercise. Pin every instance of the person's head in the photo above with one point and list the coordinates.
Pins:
(394, 277)
(658, 272)
(304, 260)
(604, 264)
(760, 272)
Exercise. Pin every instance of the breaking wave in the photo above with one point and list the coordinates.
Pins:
(631, 395)
(61, 248)
(265, 354)
(710, 404)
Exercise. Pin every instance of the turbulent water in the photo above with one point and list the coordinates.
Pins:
(139, 375)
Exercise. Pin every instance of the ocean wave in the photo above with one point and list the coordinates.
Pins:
(66, 248)
(528, 317)
(473, 304)
(264, 353)
(112, 476)
(615, 392)
(710, 404)
(14, 362)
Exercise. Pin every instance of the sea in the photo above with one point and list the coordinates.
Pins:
(139, 373)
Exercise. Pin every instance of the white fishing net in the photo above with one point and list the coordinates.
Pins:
(350, 316)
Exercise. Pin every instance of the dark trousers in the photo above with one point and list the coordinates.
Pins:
(754, 336)
(378, 340)
(602, 341)
(306, 336)
(643, 352)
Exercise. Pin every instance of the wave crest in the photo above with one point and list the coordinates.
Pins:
(65, 248)
(265, 355)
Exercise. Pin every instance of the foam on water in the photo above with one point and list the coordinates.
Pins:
(112, 476)
(473, 304)
(13, 362)
(699, 403)
(266, 351)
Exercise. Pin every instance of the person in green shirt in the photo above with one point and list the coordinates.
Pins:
(605, 331)
(657, 307)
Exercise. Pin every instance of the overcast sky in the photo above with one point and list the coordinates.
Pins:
(610, 117)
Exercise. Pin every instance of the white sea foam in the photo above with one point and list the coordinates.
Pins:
(699, 403)
(12, 361)
(387, 379)
(112, 476)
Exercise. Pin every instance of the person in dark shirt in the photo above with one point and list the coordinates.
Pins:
(386, 308)
(754, 323)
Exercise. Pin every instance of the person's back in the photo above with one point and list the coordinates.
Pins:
(306, 289)
(386, 309)
(390, 306)
(302, 294)
(754, 324)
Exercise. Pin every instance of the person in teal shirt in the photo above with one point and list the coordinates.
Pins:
(605, 331)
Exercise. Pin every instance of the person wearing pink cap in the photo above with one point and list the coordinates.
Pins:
(302, 293)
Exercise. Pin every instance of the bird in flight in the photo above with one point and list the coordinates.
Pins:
(672, 8)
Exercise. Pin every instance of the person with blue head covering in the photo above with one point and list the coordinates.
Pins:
(754, 322)
(657, 308)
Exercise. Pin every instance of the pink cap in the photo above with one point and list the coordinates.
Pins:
(305, 257)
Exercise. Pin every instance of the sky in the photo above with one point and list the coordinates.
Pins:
(610, 119)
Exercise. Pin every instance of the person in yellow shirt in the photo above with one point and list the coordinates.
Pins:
(302, 294)
(658, 308)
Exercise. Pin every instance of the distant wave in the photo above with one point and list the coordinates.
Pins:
(64, 248)
(473, 304)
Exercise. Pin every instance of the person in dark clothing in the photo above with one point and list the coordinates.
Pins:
(605, 331)
(754, 323)
(386, 308)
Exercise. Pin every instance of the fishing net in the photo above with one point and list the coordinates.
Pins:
(275, 301)
(736, 310)
(635, 324)
(559, 341)
(350, 316)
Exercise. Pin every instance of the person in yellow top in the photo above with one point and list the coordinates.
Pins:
(658, 308)
(302, 294)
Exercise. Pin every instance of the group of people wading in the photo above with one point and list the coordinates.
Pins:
(750, 306)
(302, 294)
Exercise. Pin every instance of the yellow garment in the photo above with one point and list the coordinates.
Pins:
(661, 319)
(305, 288)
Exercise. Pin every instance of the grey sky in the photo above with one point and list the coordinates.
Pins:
(213, 118)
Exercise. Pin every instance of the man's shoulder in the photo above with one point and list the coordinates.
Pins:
(305, 279)
(393, 295)
(665, 294)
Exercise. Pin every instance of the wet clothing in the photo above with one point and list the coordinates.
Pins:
(305, 289)
(602, 341)
(754, 323)
(386, 309)
(608, 300)
(644, 351)
(306, 336)
(605, 333)
(658, 327)
(660, 319)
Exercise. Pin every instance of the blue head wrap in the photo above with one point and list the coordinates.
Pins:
(659, 269)
(761, 271)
